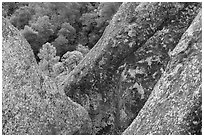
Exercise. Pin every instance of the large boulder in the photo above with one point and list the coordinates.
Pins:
(31, 103)
(174, 106)
(141, 70)
(135, 45)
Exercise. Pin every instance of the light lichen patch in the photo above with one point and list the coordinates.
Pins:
(139, 89)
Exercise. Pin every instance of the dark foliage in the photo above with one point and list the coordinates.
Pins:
(65, 25)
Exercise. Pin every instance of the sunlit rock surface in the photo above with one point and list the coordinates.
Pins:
(174, 106)
(141, 70)
(31, 103)
(117, 76)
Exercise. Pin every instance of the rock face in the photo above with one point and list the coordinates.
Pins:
(32, 104)
(116, 77)
(146, 67)
(141, 70)
(174, 106)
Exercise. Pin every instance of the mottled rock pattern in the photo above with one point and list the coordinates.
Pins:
(132, 24)
(31, 103)
(96, 84)
(141, 70)
(174, 106)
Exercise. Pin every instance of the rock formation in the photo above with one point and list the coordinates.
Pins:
(116, 77)
(174, 106)
(142, 77)
(141, 70)
(32, 104)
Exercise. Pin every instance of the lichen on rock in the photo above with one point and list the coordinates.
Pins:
(174, 106)
(157, 28)
(31, 104)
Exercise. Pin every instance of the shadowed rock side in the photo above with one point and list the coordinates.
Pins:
(174, 106)
(30, 104)
(96, 83)
(141, 70)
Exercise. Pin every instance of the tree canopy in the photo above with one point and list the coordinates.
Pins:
(64, 24)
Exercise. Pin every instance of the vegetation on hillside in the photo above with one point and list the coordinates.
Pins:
(65, 25)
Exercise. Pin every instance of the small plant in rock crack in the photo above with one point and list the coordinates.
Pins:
(48, 59)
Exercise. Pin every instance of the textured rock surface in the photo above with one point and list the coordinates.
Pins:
(141, 70)
(174, 107)
(32, 104)
(97, 84)
(114, 80)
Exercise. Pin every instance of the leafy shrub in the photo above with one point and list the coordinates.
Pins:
(63, 24)
(67, 30)
(8, 8)
(108, 9)
(62, 45)
(48, 59)
(29, 34)
(44, 28)
(71, 59)
(32, 37)
(21, 17)
(58, 68)
(83, 49)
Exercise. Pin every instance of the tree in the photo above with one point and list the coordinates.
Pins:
(62, 45)
(67, 31)
(32, 37)
(21, 17)
(60, 22)
(44, 28)
(29, 34)
(48, 59)
(108, 9)
(83, 49)
(8, 8)
(92, 29)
